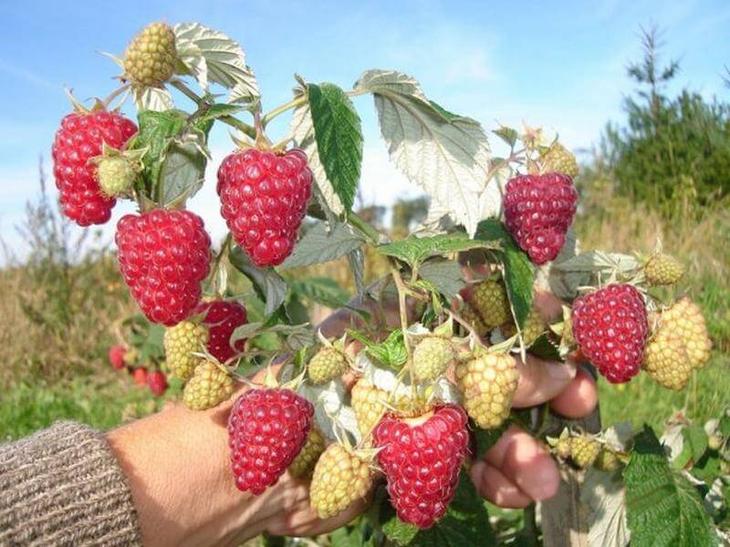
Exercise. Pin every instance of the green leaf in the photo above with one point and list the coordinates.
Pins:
(323, 243)
(156, 131)
(545, 348)
(445, 275)
(268, 284)
(725, 425)
(465, 524)
(445, 154)
(507, 134)
(696, 438)
(339, 138)
(663, 508)
(487, 438)
(219, 110)
(391, 352)
(183, 169)
(414, 250)
(211, 56)
(323, 290)
(519, 273)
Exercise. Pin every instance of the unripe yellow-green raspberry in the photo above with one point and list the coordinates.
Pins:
(431, 357)
(369, 404)
(180, 342)
(607, 460)
(470, 315)
(663, 269)
(584, 451)
(341, 477)
(150, 58)
(303, 464)
(666, 360)
(562, 448)
(488, 383)
(534, 326)
(328, 363)
(209, 386)
(490, 301)
(116, 175)
(685, 320)
(559, 159)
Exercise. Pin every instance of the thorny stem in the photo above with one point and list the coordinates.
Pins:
(230, 120)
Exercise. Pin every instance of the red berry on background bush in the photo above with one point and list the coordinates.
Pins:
(78, 140)
(538, 211)
(222, 317)
(610, 326)
(267, 428)
(164, 256)
(264, 196)
(157, 382)
(139, 375)
(422, 460)
(116, 356)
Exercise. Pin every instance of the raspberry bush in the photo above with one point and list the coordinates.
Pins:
(391, 413)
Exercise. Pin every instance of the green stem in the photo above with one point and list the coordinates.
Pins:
(219, 257)
(530, 525)
(229, 120)
(368, 231)
(266, 118)
(402, 290)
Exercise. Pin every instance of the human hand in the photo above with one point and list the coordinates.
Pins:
(178, 467)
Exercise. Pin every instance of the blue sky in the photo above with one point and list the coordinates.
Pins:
(556, 64)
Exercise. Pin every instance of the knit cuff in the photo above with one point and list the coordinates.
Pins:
(63, 486)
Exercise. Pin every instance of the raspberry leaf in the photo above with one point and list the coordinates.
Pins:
(268, 284)
(152, 98)
(302, 133)
(211, 56)
(156, 130)
(183, 168)
(445, 154)
(519, 273)
(656, 496)
(414, 250)
(339, 138)
(465, 524)
(321, 290)
(322, 243)
(444, 275)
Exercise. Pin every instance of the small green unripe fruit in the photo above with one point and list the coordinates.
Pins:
(116, 175)
(150, 58)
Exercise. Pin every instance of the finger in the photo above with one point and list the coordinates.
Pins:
(541, 380)
(526, 463)
(495, 487)
(579, 398)
(303, 520)
(547, 305)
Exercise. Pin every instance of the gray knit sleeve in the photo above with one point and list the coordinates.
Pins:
(63, 486)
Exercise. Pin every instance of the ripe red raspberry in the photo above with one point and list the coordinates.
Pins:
(538, 211)
(222, 317)
(78, 140)
(157, 382)
(264, 197)
(139, 375)
(116, 356)
(163, 256)
(610, 326)
(422, 459)
(267, 428)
